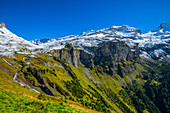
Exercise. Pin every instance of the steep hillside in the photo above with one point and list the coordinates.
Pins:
(99, 87)
(98, 71)
(17, 98)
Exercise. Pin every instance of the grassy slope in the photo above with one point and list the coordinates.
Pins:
(15, 98)
(95, 85)
(14, 102)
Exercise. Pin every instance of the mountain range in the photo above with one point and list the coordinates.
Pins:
(155, 43)
(116, 69)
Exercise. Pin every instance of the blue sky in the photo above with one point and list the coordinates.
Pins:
(36, 19)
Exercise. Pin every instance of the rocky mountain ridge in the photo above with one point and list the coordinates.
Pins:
(155, 43)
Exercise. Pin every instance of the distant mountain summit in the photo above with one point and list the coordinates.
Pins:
(163, 26)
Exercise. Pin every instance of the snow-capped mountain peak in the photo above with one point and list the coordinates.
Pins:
(162, 28)
(155, 42)
(161, 32)
(165, 25)
(9, 42)
(91, 38)
(125, 28)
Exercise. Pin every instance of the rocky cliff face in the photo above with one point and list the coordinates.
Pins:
(104, 55)
(69, 54)
(112, 51)
(86, 58)
(111, 56)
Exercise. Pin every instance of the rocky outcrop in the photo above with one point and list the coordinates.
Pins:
(70, 55)
(86, 58)
(2, 24)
